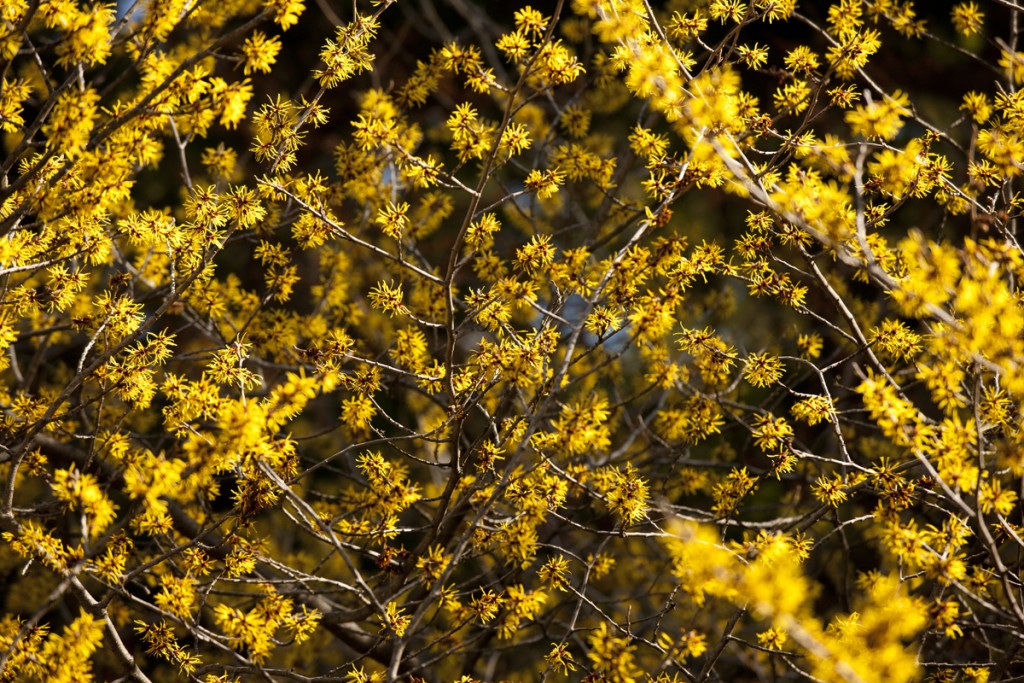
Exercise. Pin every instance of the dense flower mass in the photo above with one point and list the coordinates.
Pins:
(600, 340)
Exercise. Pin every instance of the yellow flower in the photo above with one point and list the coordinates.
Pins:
(260, 52)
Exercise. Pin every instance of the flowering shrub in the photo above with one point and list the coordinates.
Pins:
(609, 340)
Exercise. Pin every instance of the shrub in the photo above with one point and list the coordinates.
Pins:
(608, 339)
